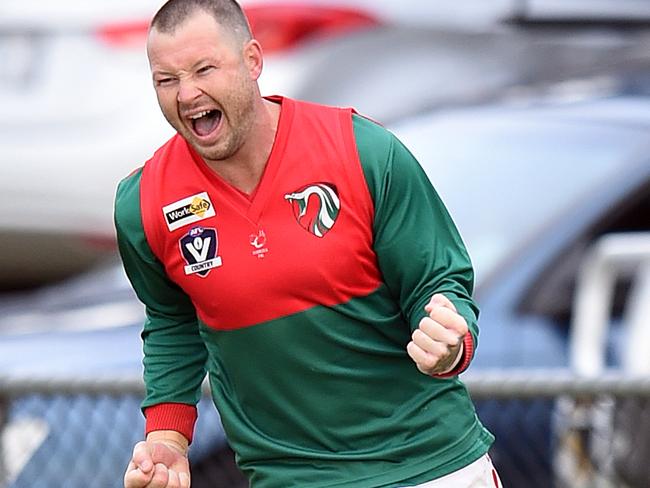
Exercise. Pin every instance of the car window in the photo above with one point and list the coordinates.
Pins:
(505, 174)
(554, 289)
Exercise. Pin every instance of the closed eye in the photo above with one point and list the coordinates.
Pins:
(205, 69)
(167, 81)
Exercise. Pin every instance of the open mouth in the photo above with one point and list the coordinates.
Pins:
(206, 122)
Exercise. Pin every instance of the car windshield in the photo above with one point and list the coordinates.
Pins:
(505, 174)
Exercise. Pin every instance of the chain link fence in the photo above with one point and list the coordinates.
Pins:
(552, 429)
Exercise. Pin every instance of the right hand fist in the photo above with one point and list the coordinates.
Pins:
(157, 464)
(437, 343)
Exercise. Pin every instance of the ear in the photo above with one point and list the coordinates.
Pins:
(253, 58)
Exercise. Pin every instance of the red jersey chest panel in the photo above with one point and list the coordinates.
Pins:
(303, 239)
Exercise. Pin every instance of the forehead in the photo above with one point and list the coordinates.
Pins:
(198, 35)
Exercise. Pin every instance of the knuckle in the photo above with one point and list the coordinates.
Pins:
(429, 362)
(421, 339)
(409, 348)
(452, 339)
(139, 448)
(424, 321)
(429, 327)
(442, 350)
(461, 324)
(160, 477)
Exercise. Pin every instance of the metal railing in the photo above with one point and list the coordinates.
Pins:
(612, 256)
(553, 429)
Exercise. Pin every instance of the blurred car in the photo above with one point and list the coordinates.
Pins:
(476, 14)
(72, 84)
(78, 111)
(533, 185)
(84, 329)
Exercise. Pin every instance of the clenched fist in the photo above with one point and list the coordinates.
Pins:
(158, 464)
(437, 344)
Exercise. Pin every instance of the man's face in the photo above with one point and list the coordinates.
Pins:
(203, 85)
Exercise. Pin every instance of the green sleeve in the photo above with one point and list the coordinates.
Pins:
(419, 249)
(174, 353)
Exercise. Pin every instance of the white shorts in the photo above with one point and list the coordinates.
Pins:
(479, 474)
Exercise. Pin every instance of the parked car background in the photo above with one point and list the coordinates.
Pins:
(532, 125)
(78, 111)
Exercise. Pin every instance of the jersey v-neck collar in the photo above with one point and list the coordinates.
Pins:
(252, 206)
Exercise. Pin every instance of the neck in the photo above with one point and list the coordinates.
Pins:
(245, 168)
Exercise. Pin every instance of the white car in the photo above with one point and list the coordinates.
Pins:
(78, 111)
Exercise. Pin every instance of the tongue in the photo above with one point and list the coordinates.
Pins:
(205, 125)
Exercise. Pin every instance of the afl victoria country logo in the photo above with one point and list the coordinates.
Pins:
(199, 248)
(315, 207)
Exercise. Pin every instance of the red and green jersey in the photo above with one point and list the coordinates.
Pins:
(298, 301)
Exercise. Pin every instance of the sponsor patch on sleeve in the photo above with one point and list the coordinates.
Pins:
(188, 211)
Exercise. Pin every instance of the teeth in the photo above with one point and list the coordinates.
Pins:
(200, 114)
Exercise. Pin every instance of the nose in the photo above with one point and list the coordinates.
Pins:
(187, 91)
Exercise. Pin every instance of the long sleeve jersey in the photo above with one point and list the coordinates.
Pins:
(299, 300)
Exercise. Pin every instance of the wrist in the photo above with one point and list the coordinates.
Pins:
(465, 359)
(171, 438)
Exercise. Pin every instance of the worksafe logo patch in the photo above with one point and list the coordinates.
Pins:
(315, 207)
(199, 248)
(188, 211)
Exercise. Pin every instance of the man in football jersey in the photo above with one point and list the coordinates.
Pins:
(299, 256)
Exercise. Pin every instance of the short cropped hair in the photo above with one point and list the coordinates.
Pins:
(227, 13)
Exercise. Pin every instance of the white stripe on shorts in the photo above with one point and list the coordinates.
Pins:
(479, 474)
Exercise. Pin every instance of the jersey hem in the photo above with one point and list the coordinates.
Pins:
(473, 447)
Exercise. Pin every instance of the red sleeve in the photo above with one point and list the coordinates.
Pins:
(171, 416)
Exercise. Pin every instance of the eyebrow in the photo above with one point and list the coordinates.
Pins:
(161, 73)
(204, 61)
(195, 66)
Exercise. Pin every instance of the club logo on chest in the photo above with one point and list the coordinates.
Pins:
(315, 207)
(199, 248)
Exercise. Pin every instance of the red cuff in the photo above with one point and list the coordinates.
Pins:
(468, 352)
(171, 416)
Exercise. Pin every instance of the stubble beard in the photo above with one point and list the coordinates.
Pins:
(237, 124)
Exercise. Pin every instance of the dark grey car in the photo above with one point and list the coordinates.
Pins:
(533, 186)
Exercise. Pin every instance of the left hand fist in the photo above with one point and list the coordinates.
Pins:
(437, 343)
